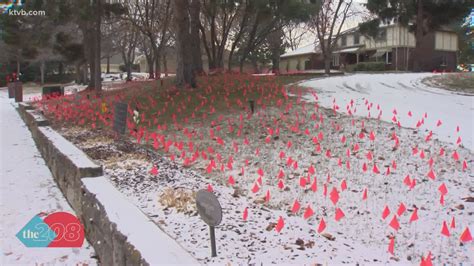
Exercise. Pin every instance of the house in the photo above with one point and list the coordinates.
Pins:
(394, 46)
(169, 55)
(111, 63)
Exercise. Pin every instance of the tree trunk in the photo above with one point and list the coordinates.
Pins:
(61, 68)
(327, 64)
(165, 65)
(184, 72)
(97, 71)
(149, 62)
(157, 65)
(129, 71)
(42, 67)
(195, 9)
(108, 64)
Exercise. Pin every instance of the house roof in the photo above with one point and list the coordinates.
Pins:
(311, 48)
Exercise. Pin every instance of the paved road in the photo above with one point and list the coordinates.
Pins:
(404, 92)
(26, 189)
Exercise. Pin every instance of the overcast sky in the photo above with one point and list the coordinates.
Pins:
(361, 14)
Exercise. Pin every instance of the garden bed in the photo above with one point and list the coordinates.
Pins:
(287, 150)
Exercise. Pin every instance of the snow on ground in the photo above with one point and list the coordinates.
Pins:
(403, 92)
(362, 236)
(26, 189)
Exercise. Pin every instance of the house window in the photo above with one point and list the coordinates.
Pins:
(344, 40)
(388, 58)
(382, 35)
(356, 38)
(335, 60)
(443, 61)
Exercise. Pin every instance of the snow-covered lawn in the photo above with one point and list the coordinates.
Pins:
(297, 151)
(27, 189)
(404, 93)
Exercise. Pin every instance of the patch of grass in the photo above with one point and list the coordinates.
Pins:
(461, 82)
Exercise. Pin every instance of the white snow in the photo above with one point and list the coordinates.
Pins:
(154, 245)
(80, 158)
(307, 49)
(27, 189)
(403, 92)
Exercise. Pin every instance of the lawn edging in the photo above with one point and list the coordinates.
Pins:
(119, 232)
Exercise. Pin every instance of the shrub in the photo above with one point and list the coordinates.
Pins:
(368, 66)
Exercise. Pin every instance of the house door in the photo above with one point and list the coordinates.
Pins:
(307, 65)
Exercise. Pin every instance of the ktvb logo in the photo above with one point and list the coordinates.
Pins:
(6, 6)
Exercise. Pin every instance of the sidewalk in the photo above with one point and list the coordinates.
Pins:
(26, 189)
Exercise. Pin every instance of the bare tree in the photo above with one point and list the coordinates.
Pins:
(152, 18)
(328, 22)
(294, 34)
(185, 75)
(127, 38)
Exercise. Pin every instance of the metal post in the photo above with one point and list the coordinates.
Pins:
(213, 241)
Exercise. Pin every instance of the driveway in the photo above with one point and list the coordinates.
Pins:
(398, 95)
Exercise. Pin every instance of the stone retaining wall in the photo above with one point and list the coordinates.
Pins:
(78, 178)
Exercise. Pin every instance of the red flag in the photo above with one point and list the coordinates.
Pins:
(334, 196)
(308, 212)
(245, 214)
(364, 194)
(445, 230)
(279, 224)
(407, 180)
(255, 188)
(441, 151)
(439, 123)
(154, 170)
(464, 165)
(281, 185)
(282, 155)
(364, 167)
(281, 174)
(322, 226)
(302, 182)
(442, 189)
(394, 223)
(343, 185)
(458, 141)
(231, 180)
(431, 174)
(391, 245)
(453, 223)
(386, 212)
(209, 188)
(422, 154)
(259, 180)
(401, 209)
(328, 153)
(455, 156)
(466, 235)
(260, 172)
(369, 156)
(356, 147)
(296, 206)
(314, 185)
(339, 214)
(441, 200)
(414, 215)
(267, 196)
(413, 183)
(372, 136)
(311, 170)
(375, 169)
